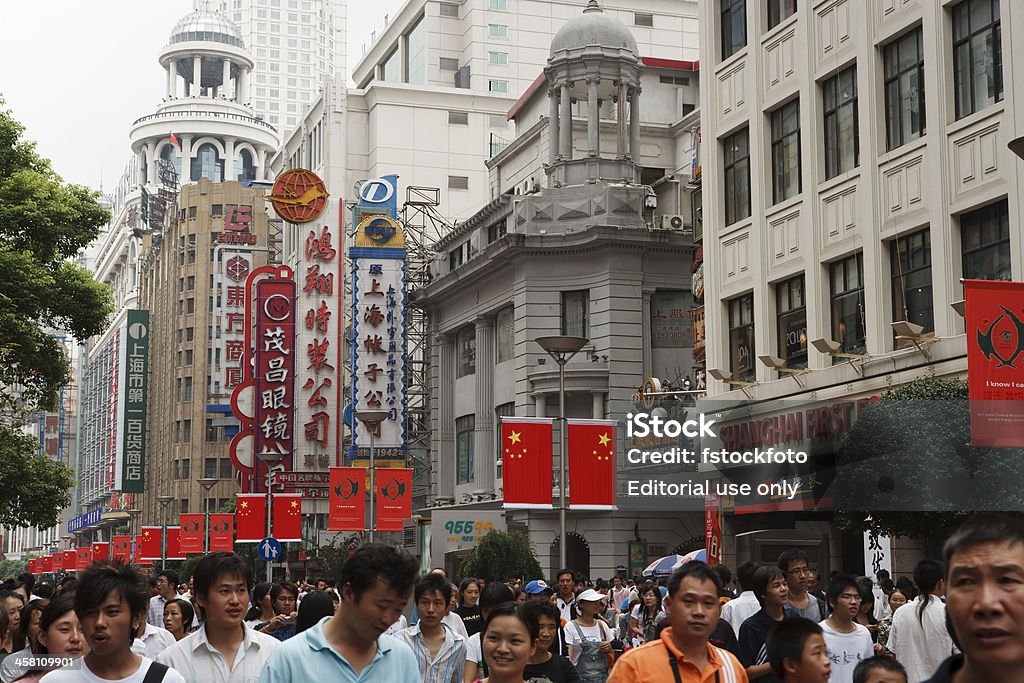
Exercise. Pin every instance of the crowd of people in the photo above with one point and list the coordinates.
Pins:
(959, 620)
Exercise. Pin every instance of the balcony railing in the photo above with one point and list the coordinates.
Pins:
(211, 114)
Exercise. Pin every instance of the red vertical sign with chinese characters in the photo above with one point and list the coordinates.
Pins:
(713, 528)
(275, 370)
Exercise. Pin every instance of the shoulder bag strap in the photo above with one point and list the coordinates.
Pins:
(156, 673)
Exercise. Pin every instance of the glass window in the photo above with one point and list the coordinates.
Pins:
(737, 176)
(208, 164)
(186, 430)
(985, 241)
(497, 86)
(847, 299)
(792, 322)
(779, 11)
(734, 26)
(391, 69)
(226, 471)
(499, 4)
(210, 468)
(497, 31)
(416, 53)
(188, 389)
(449, 64)
(912, 280)
(186, 468)
(183, 506)
(741, 338)
(842, 147)
(458, 118)
(465, 345)
(643, 19)
(786, 151)
(245, 166)
(977, 55)
(575, 316)
(211, 431)
(505, 334)
(458, 182)
(449, 10)
(500, 58)
(190, 305)
(464, 427)
(904, 90)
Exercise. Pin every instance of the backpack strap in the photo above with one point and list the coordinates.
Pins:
(156, 673)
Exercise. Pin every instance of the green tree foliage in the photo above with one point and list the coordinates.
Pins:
(10, 569)
(907, 463)
(44, 223)
(501, 555)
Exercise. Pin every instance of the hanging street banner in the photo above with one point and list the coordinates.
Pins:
(129, 464)
(713, 529)
(347, 499)
(222, 532)
(995, 362)
(378, 321)
(192, 533)
(394, 498)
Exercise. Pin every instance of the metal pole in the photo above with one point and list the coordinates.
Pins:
(561, 463)
(270, 508)
(373, 486)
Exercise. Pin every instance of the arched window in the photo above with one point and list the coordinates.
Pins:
(245, 166)
(171, 154)
(208, 164)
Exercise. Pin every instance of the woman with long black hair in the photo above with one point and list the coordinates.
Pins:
(469, 608)
(918, 636)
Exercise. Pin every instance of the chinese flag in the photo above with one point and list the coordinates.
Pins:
(46, 564)
(347, 499)
(33, 567)
(526, 462)
(69, 560)
(191, 533)
(121, 547)
(58, 561)
(83, 557)
(222, 532)
(148, 544)
(591, 464)
(174, 544)
(251, 517)
(394, 497)
(288, 516)
(100, 551)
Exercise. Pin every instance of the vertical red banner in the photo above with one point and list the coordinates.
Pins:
(46, 564)
(121, 548)
(58, 561)
(995, 362)
(251, 517)
(526, 462)
(394, 497)
(69, 560)
(174, 544)
(287, 517)
(100, 551)
(192, 533)
(149, 543)
(591, 446)
(33, 567)
(83, 557)
(713, 528)
(222, 532)
(347, 499)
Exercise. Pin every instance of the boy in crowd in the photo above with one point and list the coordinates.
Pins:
(544, 665)
(284, 597)
(773, 592)
(848, 642)
(440, 652)
(880, 669)
(797, 652)
(223, 650)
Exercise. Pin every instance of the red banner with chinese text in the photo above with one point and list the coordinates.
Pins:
(121, 548)
(251, 517)
(58, 561)
(526, 445)
(591, 446)
(192, 533)
(713, 529)
(995, 362)
(287, 517)
(394, 497)
(347, 499)
(222, 532)
(275, 370)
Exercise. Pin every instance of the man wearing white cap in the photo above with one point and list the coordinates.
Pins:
(589, 639)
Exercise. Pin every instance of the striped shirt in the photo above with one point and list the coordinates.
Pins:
(200, 662)
(650, 662)
(450, 661)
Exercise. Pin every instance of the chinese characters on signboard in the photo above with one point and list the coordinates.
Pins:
(275, 370)
(670, 319)
(131, 446)
(232, 321)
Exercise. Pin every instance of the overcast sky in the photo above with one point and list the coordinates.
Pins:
(78, 74)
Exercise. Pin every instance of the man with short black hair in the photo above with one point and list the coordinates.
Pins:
(284, 597)
(440, 652)
(110, 603)
(224, 649)
(772, 592)
(793, 563)
(848, 642)
(376, 581)
(166, 586)
(543, 664)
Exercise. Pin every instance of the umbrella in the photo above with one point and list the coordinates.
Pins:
(664, 566)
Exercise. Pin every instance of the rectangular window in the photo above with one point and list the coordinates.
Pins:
(211, 431)
(779, 11)
(188, 389)
(643, 19)
(734, 26)
(186, 430)
(391, 68)
(449, 64)
(464, 427)
(499, 4)
(190, 306)
(210, 468)
(186, 468)
(226, 471)
(741, 338)
(904, 90)
(786, 151)
(985, 241)
(792, 322)
(449, 10)
(499, 58)
(847, 299)
(183, 506)
(497, 31)
(842, 132)
(465, 346)
(458, 182)
(575, 313)
(737, 176)
(188, 357)
(977, 55)
(458, 118)
(912, 280)
(416, 53)
(505, 334)
(497, 86)
(175, 470)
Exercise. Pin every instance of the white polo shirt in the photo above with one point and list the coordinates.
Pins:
(200, 662)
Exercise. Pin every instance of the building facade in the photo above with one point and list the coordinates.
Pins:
(855, 169)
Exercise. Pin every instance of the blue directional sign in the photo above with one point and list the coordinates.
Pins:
(269, 549)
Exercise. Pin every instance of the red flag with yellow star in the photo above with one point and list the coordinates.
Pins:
(288, 516)
(526, 462)
(591, 464)
(251, 517)
(149, 543)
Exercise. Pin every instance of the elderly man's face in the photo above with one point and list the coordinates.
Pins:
(985, 601)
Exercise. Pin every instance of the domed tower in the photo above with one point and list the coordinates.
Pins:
(205, 126)
(594, 59)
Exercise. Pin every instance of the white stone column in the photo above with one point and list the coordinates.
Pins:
(140, 176)
(484, 447)
(565, 137)
(621, 127)
(225, 79)
(243, 86)
(553, 140)
(261, 164)
(634, 123)
(197, 75)
(229, 159)
(172, 69)
(593, 121)
(445, 470)
(598, 405)
(540, 405)
(186, 159)
(150, 151)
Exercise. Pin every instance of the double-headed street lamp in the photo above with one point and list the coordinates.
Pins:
(371, 419)
(562, 349)
(207, 483)
(165, 500)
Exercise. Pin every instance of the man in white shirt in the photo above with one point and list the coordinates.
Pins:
(566, 600)
(918, 635)
(440, 653)
(155, 638)
(619, 593)
(111, 605)
(746, 605)
(224, 650)
(848, 642)
(166, 590)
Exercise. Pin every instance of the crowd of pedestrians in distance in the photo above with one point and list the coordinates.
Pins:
(959, 620)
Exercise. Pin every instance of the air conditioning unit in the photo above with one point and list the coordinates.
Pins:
(672, 222)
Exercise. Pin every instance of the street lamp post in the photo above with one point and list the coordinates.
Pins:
(562, 349)
(207, 483)
(164, 502)
(371, 419)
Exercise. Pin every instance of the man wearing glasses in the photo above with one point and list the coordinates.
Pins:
(798, 575)
(166, 585)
